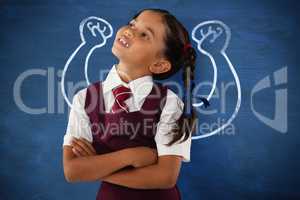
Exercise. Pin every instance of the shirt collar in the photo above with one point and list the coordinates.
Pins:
(140, 87)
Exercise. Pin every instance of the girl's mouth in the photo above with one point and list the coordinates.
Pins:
(123, 41)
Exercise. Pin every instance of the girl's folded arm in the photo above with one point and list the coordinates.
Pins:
(92, 168)
(161, 175)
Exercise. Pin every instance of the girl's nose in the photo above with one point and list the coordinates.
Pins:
(128, 33)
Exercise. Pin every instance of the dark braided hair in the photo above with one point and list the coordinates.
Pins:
(176, 39)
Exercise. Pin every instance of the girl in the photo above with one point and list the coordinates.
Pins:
(144, 160)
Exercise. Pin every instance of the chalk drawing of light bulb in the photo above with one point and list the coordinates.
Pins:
(94, 33)
(207, 33)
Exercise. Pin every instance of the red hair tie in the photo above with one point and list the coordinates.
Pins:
(186, 47)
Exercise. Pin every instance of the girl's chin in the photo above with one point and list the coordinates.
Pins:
(121, 57)
(119, 49)
(120, 53)
(116, 51)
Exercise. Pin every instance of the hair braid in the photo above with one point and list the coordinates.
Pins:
(176, 39)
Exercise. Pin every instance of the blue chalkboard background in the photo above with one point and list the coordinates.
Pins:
(256, 161)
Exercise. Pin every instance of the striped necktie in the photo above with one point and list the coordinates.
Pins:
(121, 93)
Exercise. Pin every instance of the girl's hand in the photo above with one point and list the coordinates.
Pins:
(143, 156)
(82, 147)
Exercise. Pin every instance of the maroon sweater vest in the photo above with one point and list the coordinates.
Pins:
(116, 131)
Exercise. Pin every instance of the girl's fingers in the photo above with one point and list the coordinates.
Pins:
(80, 150)
(82, 147)
(90, 146)
(76, 152)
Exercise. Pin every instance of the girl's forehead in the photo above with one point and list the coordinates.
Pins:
(150, 17)
(152, 20)
(149, 13)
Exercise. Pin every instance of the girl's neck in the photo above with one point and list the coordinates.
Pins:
(128, 73)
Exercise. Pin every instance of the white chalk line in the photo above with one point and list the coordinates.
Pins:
(223, 53)
(92, 30)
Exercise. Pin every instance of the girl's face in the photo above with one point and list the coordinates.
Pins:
(140, 43)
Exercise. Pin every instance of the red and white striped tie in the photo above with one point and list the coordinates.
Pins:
(121, 93)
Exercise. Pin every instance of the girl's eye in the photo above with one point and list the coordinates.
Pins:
(145, 35)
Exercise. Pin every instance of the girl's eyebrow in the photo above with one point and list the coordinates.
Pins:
(148, 28)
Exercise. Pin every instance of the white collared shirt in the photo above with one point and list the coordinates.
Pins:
(78, 125)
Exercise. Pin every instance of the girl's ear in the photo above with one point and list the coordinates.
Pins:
(161, 66)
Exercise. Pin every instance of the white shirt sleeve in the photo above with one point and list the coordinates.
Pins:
(78, 124)
(171, 112)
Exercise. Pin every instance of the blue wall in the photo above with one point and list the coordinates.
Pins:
(256, 161)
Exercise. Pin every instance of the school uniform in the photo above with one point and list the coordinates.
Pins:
(150, 112)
